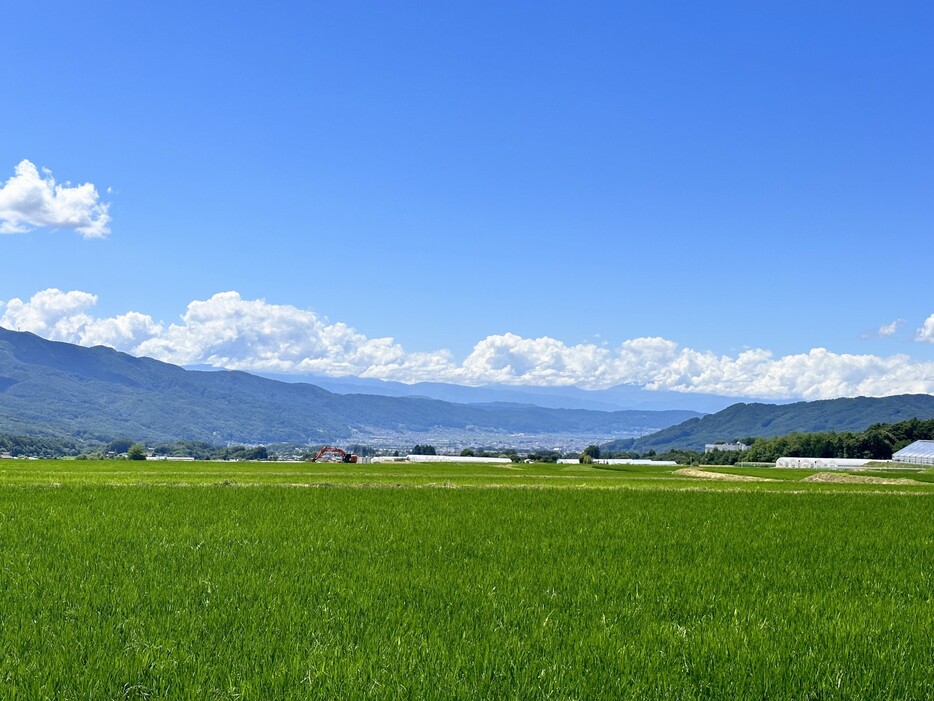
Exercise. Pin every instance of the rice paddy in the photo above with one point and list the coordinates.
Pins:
(296, 581)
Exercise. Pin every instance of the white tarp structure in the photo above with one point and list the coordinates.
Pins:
(441, 458)
(823, 463)
(918, 453)
(710, 447)
(616, 461)
(454, 458)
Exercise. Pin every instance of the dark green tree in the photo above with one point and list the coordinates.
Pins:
(119, 445)
(136, 452)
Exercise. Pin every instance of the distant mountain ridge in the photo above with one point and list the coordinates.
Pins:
(611, 399)
(63, 390)
(766, 420)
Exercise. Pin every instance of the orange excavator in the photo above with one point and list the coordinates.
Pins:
(331, 454)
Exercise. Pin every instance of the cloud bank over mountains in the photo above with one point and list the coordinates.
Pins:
(227, 331)
(29, 200)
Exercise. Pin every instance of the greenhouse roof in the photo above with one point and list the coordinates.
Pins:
(919, 451)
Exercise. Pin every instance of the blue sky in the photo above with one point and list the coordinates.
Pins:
(532, 193)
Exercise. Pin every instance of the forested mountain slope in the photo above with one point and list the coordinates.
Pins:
(765, 420)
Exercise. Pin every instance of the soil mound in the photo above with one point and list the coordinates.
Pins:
(723, 476)
(843, 478)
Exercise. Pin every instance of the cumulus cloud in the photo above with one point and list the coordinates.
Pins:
(511, 359)
(52, 314)
(231, 332)
(227, 331)
(29, 200)
(64, 316)
(926, 332)
(817, 374)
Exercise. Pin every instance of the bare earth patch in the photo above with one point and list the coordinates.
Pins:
(722, 476)
(842, 478)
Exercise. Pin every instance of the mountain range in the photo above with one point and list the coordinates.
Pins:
(62, 390)
(623, 396)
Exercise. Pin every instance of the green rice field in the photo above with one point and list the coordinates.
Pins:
(163, 580)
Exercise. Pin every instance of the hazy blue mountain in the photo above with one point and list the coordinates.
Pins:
(765, 420)
(58, 389)
(611, 399)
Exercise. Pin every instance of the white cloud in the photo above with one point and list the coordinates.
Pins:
(63, 316)
(817, 374)
(128, 331)
(52, 314)
(926, 332)
(511, 359)
(228, 331)
(29, 200)
(231, 332)
(889, 329)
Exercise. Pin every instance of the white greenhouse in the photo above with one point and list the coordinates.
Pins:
(456, 458)
(616, 461)
(442, 458)
(918, 453)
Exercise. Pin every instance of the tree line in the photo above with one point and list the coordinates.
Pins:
(37, 446)
(878, 442)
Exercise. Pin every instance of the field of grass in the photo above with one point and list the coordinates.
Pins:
(165, 473)
(200, 581)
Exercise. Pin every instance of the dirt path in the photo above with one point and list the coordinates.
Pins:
(722, 476)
